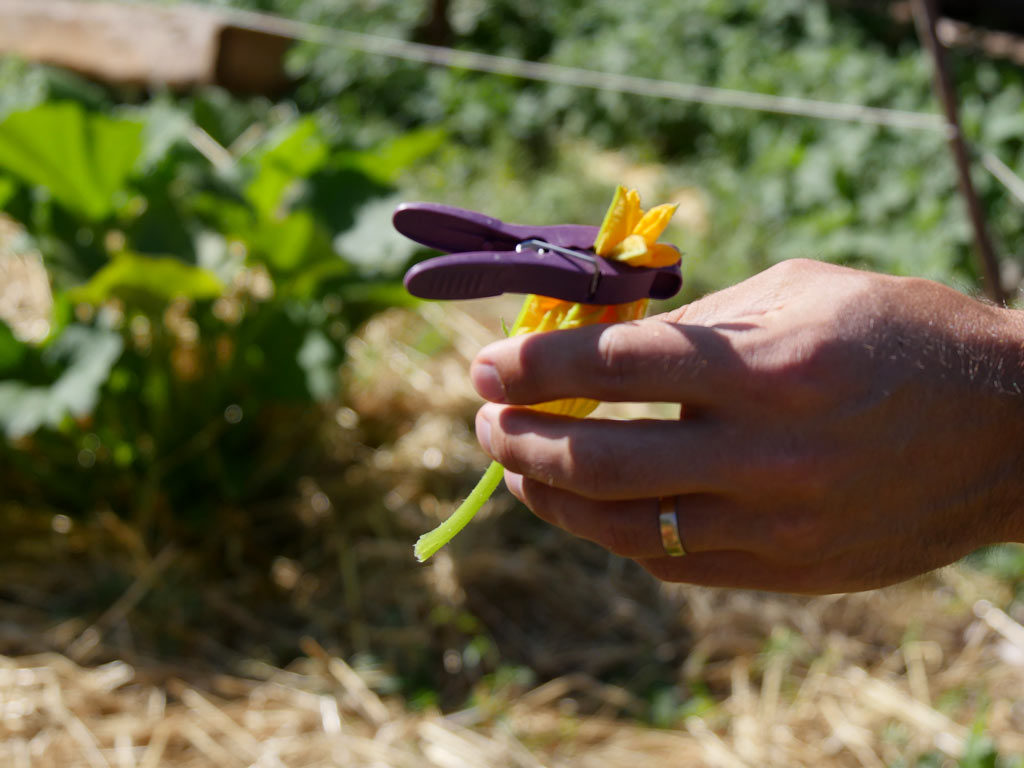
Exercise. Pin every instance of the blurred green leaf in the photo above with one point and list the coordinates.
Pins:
(85, 357)
(373, 244)
(135, 277)
(164, 126)
(82, 159)
(8, 188)
(12, 351)
(383, 293)
(319, 360)
(21, 86)
(979, 752)
(294, 154)
(285, 243)
(386, 163)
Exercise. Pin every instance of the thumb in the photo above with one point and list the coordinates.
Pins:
(645, 361)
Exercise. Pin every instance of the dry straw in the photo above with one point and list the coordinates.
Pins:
(857, 680)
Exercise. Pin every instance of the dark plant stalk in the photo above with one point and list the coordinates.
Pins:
(925, 17)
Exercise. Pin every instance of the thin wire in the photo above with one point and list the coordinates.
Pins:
(606, 81)
(586, 78)
(1004, 174)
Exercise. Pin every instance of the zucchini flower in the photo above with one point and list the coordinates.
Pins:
(627, 234)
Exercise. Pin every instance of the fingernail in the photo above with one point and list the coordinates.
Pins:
(514, 483)
(483, 430)
(487, 382)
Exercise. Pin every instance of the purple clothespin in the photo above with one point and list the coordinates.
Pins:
(487, 257)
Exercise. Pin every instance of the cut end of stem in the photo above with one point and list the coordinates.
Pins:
(430, 542)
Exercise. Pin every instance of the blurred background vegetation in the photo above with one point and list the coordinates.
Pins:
(199, 373)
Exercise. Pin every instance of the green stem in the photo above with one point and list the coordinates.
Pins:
(430, 542)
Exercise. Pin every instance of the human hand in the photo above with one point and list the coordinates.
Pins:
(840, 430)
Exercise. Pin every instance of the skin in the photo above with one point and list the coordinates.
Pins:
(840, 430)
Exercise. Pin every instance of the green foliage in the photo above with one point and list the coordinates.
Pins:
(212, 303)
(775, 186)
(81, 360)
(137, 279)
(12, 351)
(82, 160)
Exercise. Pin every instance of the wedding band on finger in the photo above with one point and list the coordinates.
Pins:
(668, 523)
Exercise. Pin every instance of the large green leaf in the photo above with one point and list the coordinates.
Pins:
(134, 277)
(86, 356)
(82, 159)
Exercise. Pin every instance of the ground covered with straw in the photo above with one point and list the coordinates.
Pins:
(303, 633)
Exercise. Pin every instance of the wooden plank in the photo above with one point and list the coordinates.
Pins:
(177, 47)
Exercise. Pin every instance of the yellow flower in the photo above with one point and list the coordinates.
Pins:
(628, 235)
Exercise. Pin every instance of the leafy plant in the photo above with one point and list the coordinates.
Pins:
(200, 311)
(773, 186)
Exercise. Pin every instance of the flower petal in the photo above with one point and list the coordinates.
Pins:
(634, 212)
(654, 222)
(631, 310)
(576, 407)
(632, 250)
(616, 222)
(661, 255)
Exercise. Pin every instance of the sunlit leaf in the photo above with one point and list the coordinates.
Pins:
(82, 159)
(133, 276)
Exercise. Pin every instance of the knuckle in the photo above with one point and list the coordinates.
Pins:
(615, 353)
(808, 373)
(501, 445)
(587, 477)
(802, 266)
(619, 539)
(791, 268)
(779, 461)
(596, 467)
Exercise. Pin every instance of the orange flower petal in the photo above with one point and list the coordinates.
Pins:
(661, 255)
(632, 310)
(654, 222)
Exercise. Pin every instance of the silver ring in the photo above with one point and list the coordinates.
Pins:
(668, 524)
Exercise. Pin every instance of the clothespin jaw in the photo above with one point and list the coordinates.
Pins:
(488, 257)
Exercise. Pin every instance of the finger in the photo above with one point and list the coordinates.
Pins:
(738, 570)
(706, 523)
(603, 459)
(631, 528)
(646, 361)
